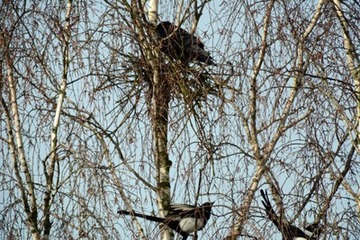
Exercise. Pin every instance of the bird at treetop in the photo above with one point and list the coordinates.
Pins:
(177, 43)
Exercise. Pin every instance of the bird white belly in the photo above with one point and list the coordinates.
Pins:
(188, 224)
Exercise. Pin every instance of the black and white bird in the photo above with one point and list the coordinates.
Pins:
(182, 218)
(288, 231)
(181, 45)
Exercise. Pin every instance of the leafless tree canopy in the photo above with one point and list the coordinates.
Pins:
(96, 118)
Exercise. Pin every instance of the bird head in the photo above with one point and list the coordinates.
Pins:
(164, 29)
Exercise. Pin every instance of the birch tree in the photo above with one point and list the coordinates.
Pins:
(19, 50)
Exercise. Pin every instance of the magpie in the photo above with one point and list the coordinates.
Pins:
(182, 218)
(177, 43)
(288, 231)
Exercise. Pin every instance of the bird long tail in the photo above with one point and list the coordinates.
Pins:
(147, 217)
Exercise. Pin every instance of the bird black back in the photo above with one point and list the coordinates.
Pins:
(179, 44)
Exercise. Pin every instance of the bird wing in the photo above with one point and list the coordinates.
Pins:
(189, 39)
(182, 210)
(190, 218)
(181, 206)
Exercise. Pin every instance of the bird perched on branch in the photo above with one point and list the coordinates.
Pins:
(179, 44)
(182, 218)
(288, 231)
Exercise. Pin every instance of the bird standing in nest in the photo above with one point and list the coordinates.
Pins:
(179, 44)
